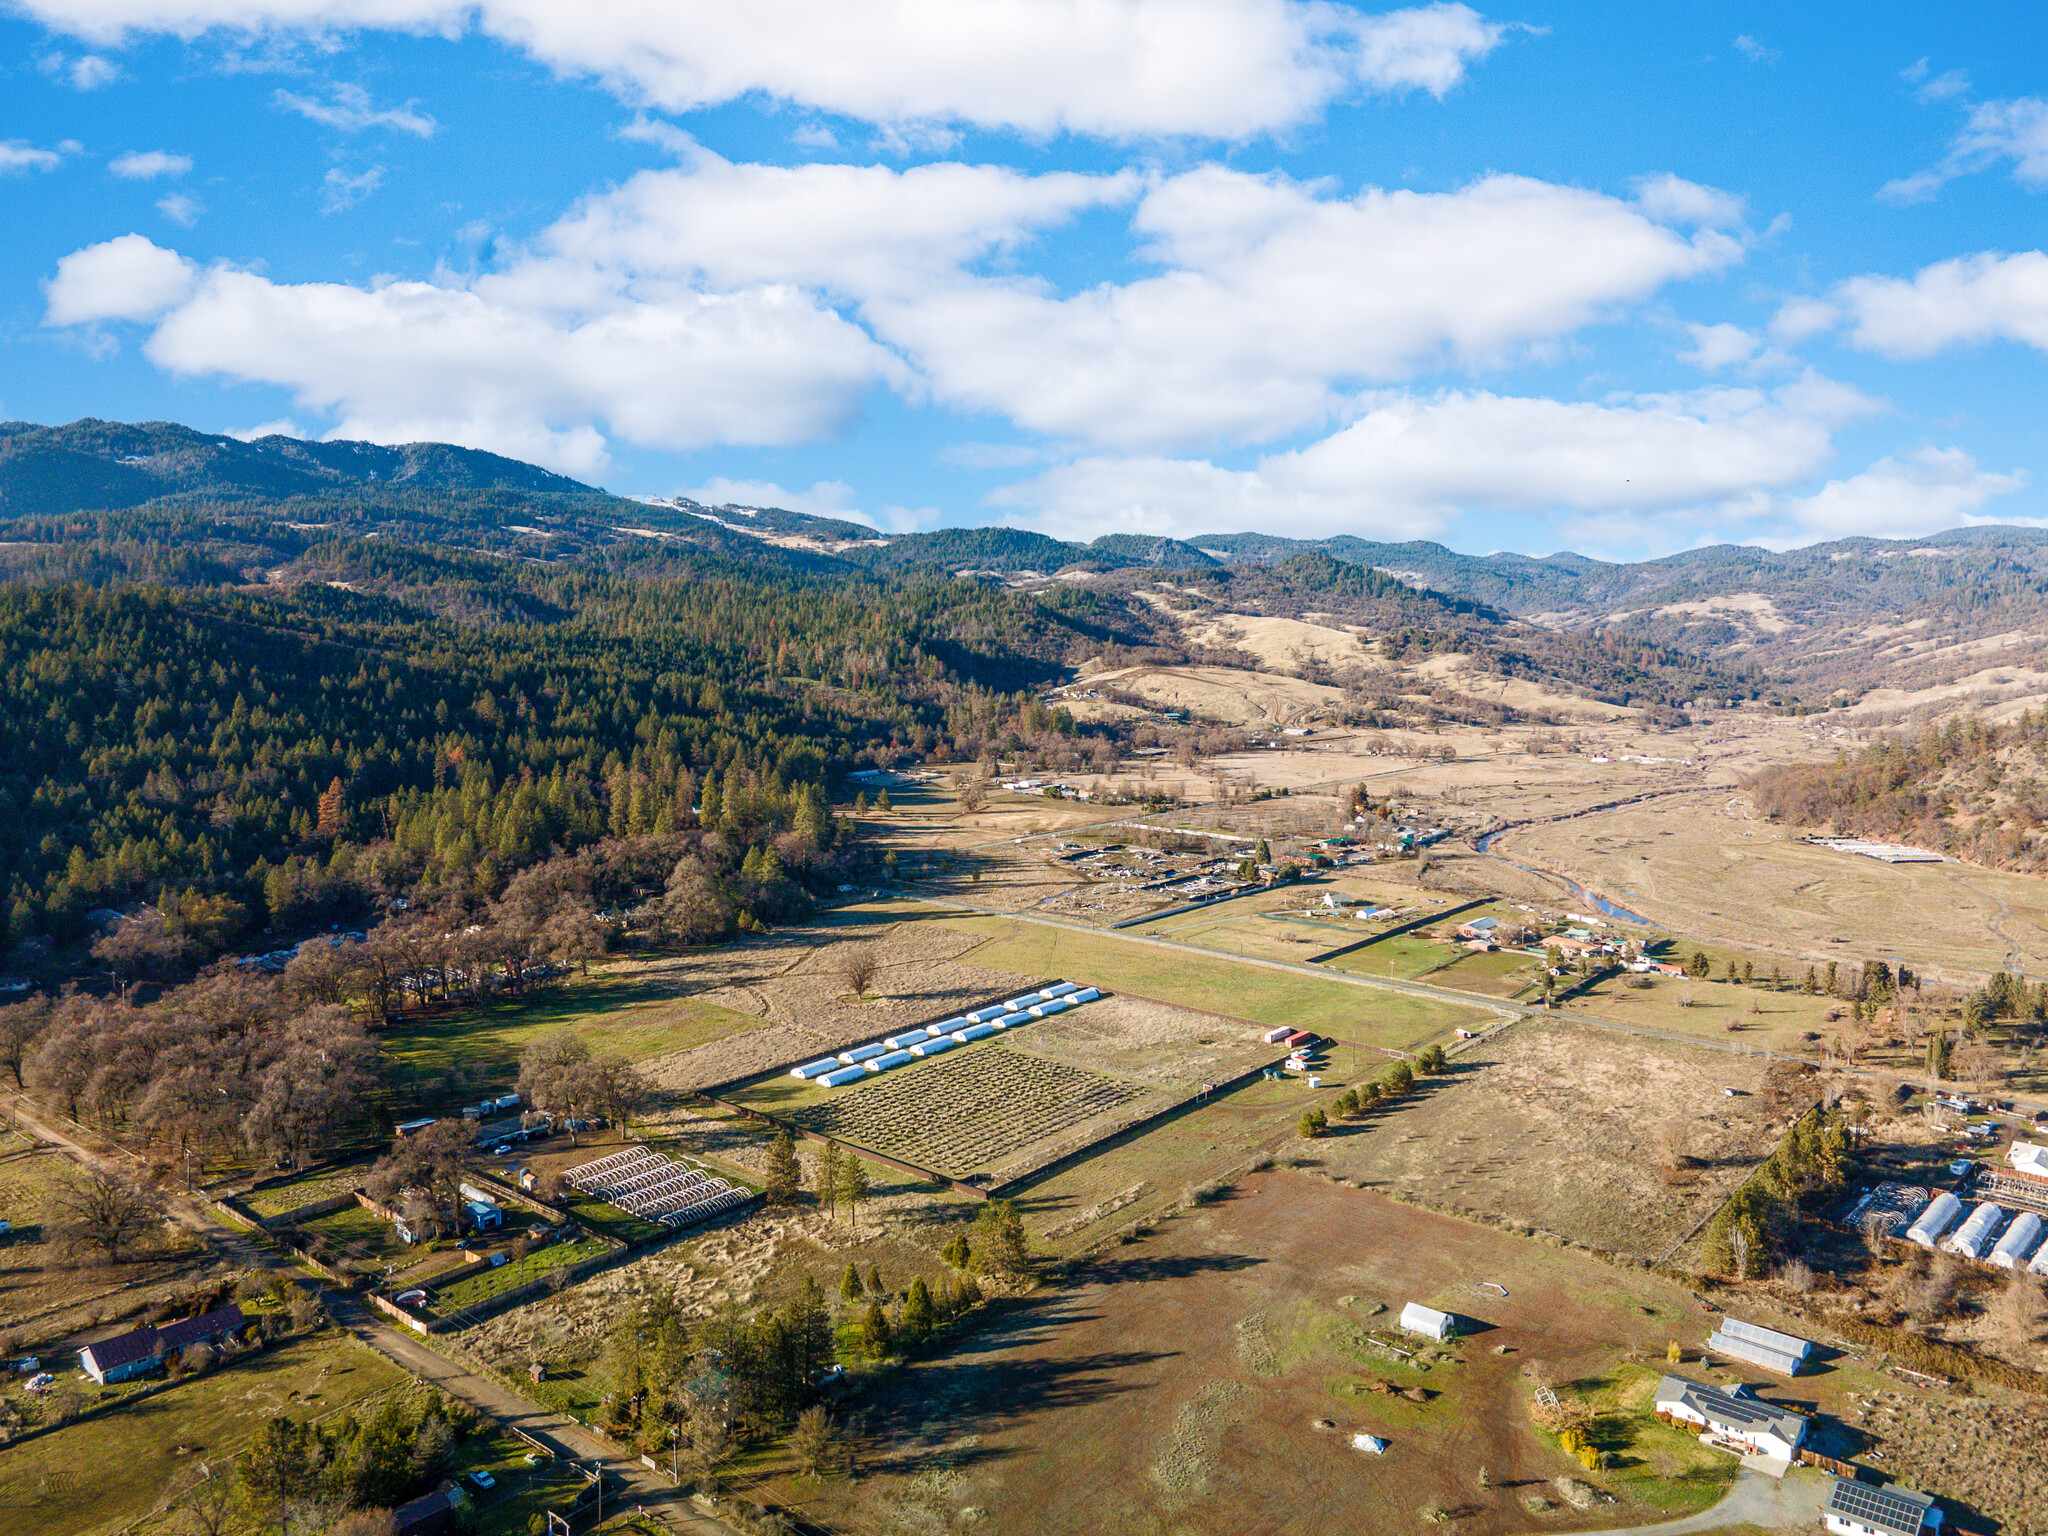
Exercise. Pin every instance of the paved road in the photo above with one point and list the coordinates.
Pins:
(1790, 1503)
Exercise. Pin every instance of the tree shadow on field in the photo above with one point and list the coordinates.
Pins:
(1179, 1266)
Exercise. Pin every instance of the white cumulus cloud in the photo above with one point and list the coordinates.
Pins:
(1411, 463)
(128, 278)
(1122, 68)
(148, 164)
(1986, 297)
(17, 155)
(350, 109)
(1901, 497)
(1996, 132)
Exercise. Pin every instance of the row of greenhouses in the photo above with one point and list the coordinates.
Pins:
(862, 1061)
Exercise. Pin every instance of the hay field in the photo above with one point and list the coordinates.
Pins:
(1220, 986)
(1230, 695)
(1559, 1127)
(1709, 865)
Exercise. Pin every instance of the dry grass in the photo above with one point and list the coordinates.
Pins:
(1562, 1128)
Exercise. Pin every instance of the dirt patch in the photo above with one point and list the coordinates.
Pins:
(1563, 1128)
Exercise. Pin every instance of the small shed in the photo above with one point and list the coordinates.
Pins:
(1427, 1321)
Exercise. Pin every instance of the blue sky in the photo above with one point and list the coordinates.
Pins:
(1531, 278)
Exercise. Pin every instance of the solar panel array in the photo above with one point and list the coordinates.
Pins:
(1878, 1508)
(656, 1187)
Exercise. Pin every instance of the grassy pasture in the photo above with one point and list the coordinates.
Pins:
(1218, 986)
(622, 1011)
(98, 1476)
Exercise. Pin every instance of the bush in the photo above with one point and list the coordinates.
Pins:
(1313, 1123)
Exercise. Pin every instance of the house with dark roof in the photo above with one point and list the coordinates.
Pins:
(1735, 1419)
(431, 1514)
(1857, 1509)
(136, 1352)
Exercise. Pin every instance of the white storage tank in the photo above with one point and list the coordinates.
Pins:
(892, 1059)
(1973, 1238)
(843, 1076)
(935, 1045)
(863, 1053)
(816, 1068)
(2018, 1242)
(974, 1032)
(1942, 1212)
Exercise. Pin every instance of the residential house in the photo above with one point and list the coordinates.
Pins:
(1735, 1419)
(1857, 1509)
(136, 1352)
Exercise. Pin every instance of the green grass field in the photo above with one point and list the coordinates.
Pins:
(103, 1474)
(634, 1016)
(483, 1284)
(1218, 986)
(1649, 1462)
(1405, 957)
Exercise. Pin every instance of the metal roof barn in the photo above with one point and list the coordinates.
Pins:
(1942, 1212)
(934, 1046)
(863, 1053)
(2018, 1242)
(816, 1068)
(893, 1059)
(1973, 1238)
(1427, 1321)
(843, 1076)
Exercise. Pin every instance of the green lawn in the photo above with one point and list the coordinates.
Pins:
(103, 1474)
(1221, 986)
(635, 1015)
(610, 1220)
(307, 1189)
(482, 1283)
(1649, 1462)
(1404, 957)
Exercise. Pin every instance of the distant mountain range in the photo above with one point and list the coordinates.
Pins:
(1845, 614)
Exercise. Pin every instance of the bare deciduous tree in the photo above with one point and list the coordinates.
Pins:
(98, 1207)
(857, 969)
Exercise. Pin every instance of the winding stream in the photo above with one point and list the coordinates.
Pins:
(1607, 908)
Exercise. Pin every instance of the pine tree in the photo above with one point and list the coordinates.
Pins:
(828, 1177)
(785, 1174)
(918, 1316)
(331, 810)
(875, 1334)
(956, 1253)
(875, 1286)
(1005, 1251)
(853, 1187)
(850, 1288)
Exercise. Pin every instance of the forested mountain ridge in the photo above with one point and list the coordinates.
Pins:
(1972, 787)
